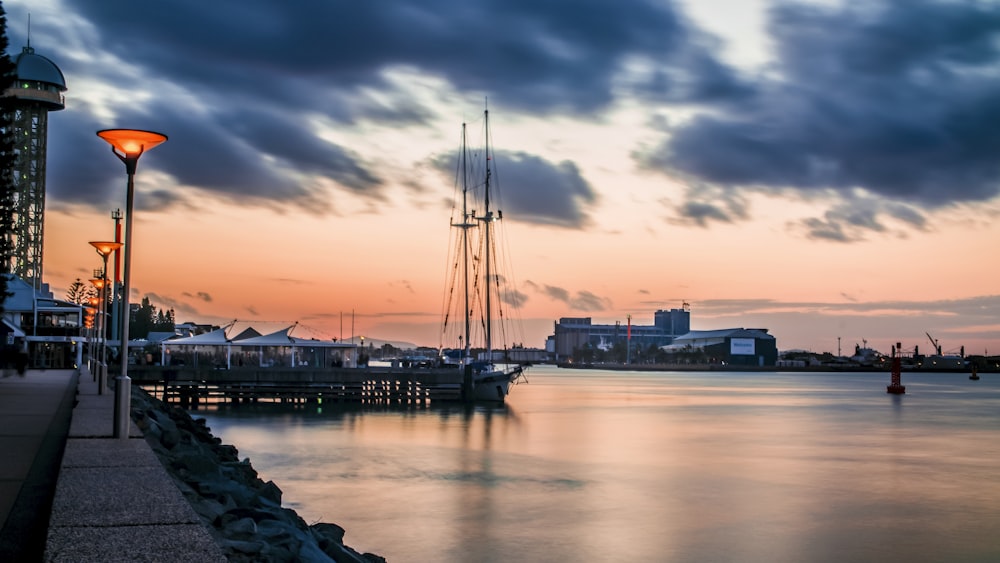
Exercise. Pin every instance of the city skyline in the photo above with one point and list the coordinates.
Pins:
(825, 171)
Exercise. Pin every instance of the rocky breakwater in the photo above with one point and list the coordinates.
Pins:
(243, 512)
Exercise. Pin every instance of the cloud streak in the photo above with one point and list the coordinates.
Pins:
(241, 96)
(894, 98)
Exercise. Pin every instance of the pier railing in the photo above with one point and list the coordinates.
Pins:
(299, 385)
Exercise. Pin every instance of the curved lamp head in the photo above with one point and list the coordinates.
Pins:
(105, 248)
(131, 143)
(98, 282)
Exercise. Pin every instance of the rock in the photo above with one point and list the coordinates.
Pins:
(242, 528)
(271, 492)
(312, 553)
(197, 463)
(247, 547)
(330, 532)
(243, 512)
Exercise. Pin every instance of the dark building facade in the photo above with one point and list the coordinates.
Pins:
(733, 346)
(575, 333)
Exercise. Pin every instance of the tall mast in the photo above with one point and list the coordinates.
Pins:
(487, 219)
(465, 225)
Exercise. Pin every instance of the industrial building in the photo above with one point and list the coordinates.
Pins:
(573, 334)
(732, 346)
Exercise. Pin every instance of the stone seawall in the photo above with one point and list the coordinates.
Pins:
(242, 512)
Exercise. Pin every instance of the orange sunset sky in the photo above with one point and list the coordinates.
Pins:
(815, 168)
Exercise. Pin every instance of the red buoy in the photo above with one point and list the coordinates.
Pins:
(895, 387)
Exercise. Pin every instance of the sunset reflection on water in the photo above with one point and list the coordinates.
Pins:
(613, 466)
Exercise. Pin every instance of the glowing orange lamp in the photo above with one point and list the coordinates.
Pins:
(128, 145)
(104, 249)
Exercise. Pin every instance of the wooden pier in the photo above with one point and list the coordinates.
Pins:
(373, 385)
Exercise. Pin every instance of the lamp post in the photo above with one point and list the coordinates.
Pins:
(92, 311)
(95, 361)
(128, 145)
(104, 249)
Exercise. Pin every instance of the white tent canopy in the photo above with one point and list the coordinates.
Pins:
(268, 350)
(304, 352)
(213, 340)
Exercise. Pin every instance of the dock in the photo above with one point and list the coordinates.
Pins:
(371, 385)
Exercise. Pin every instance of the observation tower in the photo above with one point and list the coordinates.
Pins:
(36, 90)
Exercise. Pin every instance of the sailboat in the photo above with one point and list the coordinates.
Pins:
(474, 270)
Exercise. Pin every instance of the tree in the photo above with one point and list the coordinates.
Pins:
(146, 318)
(80, 293)
(142, 319)
(8, 159)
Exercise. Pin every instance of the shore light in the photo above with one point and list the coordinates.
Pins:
(104, 249)
(128, 145)
(97, 282)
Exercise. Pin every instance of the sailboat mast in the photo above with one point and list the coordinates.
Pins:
(488, 218)
(465, 225)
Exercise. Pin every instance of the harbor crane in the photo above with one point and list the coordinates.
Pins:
(937, 347)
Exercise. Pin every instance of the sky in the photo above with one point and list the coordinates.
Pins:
(829, 171)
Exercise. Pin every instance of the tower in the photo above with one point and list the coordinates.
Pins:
(37, 89)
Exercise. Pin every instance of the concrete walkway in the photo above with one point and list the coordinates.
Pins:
(71, 492)
(35, 412)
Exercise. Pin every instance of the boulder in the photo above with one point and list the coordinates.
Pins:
(243, 512)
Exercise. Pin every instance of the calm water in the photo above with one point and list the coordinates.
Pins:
(627, 466)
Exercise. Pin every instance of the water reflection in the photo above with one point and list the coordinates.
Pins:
(630, 466)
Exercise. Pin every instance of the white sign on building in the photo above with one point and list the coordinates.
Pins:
(741, 346)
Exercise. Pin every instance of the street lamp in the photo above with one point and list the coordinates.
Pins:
(97, 282)
(128, 145)
(92, 314)
(104, 249)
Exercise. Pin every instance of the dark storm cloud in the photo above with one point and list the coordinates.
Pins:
(201, 295)
(535, 190)
(540, 54)
(198, 153)
(249, 74)
(705, 203)
(583, 300)
(514, 298)
(293, 144)
(981, 310)
(898, 97)
(539, 191)
(165, 302)
(849, 219)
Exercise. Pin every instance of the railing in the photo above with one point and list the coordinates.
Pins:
(366, 385)
(36, 94)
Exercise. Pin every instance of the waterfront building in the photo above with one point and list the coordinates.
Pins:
(572, 334)
(731, 346)
(49, 330)
(249, 348)
(36, 90)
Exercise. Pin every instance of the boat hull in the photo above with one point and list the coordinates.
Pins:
(493, 386)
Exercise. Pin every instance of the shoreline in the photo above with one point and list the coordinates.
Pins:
(756, 369)
(241, 511)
